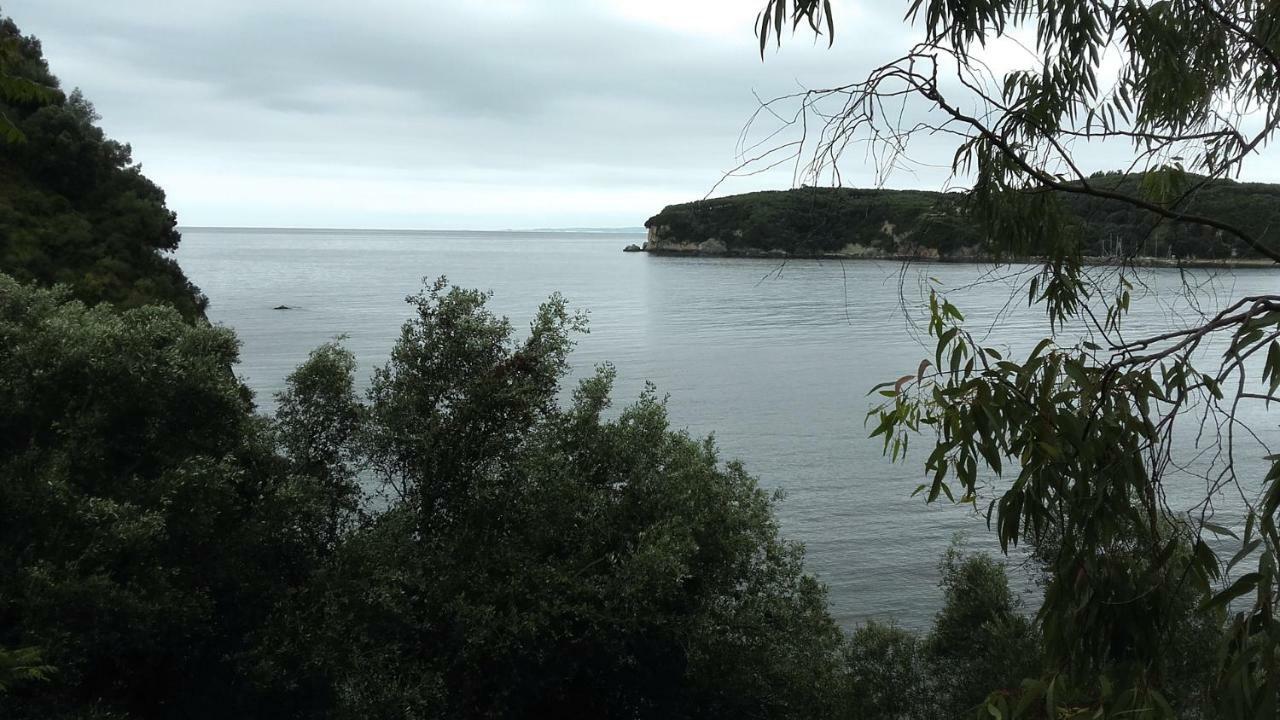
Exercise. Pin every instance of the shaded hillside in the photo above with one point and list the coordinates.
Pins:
(74, 207)
(856, 222)
(1115, 228)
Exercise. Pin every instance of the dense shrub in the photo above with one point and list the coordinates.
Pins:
(887, 674)
(175, 555)
(143, 531)
(981, 642)
(535, 561)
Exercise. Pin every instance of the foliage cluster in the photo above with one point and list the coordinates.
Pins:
(74, 207)
(981, 640)
(457, 545)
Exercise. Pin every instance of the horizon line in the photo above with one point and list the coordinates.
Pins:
(294, 228)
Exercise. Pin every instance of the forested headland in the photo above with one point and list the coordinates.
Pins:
(74, 207)
(882, 223)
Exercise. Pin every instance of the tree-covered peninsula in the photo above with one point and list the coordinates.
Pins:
(75, 209)
(882, 223)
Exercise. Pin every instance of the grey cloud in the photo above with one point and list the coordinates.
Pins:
(560, 91)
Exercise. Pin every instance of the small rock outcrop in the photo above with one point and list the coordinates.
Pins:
(631, 248)
(712, 246)
(282, 307)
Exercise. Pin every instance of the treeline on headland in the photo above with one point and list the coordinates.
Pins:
(74, 207)
(859, 222)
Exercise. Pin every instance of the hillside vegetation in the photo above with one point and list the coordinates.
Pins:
(886, 223)
(74, 207)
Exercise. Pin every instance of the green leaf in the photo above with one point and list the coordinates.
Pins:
(1244, 585)
(1218, 530)
(1243, 553)
(1053, 451)
(1272, 367)
(1162, 703)
(1040, 347)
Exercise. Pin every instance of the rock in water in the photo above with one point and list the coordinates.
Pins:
(282, 307)
(631, 248)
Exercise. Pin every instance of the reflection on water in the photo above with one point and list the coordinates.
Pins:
(775, 358)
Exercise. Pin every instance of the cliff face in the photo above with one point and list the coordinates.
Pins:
(660, 240)
(853, 223)
(663, 241)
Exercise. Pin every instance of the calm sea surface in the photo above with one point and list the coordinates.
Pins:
(775, 359)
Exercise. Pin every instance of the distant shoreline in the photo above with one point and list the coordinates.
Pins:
(406, 231)
(1093, 261)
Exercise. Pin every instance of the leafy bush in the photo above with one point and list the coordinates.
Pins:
(143, 528)
(22, 665)
(176, 555)
(536, 561)
(1159, 628)
(888, 674)
(981, 642)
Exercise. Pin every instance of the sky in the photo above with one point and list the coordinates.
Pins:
(478, 114)
(433, 114)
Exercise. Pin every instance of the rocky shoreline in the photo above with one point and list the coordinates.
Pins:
(717, 249)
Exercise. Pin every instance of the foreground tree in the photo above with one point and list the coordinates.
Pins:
(980, 641)
(535, 561)
(174, 555)
(146, 524)
(1084, 427)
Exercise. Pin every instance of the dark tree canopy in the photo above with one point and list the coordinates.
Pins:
(540, 561)
(74, 207)
(458, 546)
(144, 522)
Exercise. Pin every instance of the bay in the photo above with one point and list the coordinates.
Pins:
(775, 358)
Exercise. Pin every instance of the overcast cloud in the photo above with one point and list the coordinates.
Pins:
(435, 114)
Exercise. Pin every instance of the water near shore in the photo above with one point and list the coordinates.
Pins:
(775, 357)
